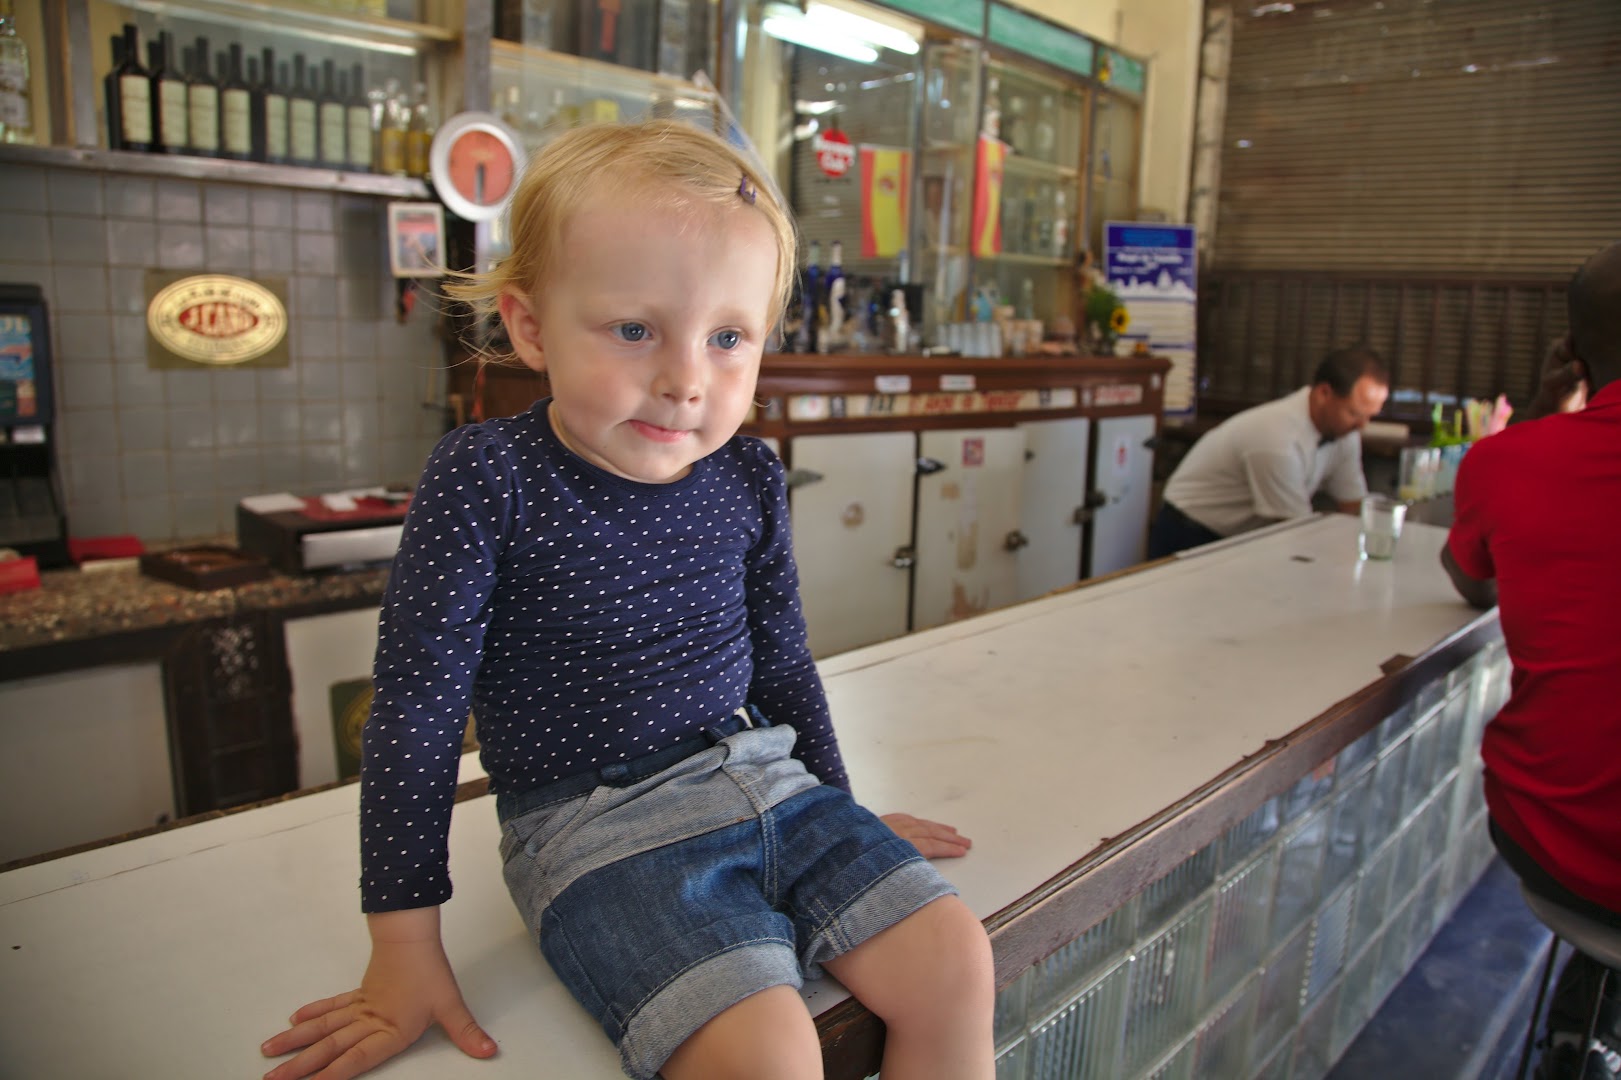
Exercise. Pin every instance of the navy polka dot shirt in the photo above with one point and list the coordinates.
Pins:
(584, 618)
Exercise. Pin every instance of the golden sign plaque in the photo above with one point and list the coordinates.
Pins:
(215, 320)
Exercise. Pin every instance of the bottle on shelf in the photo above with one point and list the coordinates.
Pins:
(333, 119)
(396, 122)
(16, 98)
(302, 124)
(419, 135)
(202, 103)
(273, 109)
(109, 91)
(835, 286)
(132, 88)
(236, 107)
(991, 125)
(1044, 138)
(169, 127)
(811, 300)
(1061, 224)
(1015, 127)
(358, 114)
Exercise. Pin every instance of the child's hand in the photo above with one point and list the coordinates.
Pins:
(932, 839)
(408, 986)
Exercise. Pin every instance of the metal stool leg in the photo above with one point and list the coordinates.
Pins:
(1536, 1010)
(1592, 1021)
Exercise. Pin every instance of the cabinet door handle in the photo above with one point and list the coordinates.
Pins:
(905, 557)
(801, 477)
(1015, 540)
(928, 466)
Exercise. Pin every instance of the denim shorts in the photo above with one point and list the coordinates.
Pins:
(664, 902)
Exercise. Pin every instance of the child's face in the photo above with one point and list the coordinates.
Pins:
(650, 331)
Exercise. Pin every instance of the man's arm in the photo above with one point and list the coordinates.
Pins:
(1478, 593)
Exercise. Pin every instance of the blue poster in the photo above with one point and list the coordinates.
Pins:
(1154, 270)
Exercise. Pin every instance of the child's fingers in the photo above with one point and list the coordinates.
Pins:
(325, 1005)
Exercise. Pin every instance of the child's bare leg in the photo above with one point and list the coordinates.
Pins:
(930, 979)
(767, 1036)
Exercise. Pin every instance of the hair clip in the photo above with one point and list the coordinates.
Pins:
(746, 189)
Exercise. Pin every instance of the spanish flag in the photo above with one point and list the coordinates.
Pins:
(988, 196)
(886, 189)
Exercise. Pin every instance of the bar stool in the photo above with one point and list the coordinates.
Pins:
(1601, 942)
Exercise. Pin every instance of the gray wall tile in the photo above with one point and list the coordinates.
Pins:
(132, 243)
(238, 471)
(95, 478)
(151, 517)
(272, 209)
(179, 201)
(272, 251)
(193, 474)
(80, 240)
(236, 423)
(278, 384)
(225, 204)
(279, 422)
(189, 387)
(320, 422)
(82, 337)
(130, 196)
(228, 249)
(236, 384)
(22, 187)
(141, 430)
(145, 475)
(314, 297)
(317, 340)
(75, 191)
(26, 234)
(323, 465)
(129, 339)
(318, 380)
(97, 517)
(79, 289)
(88, 433)
(281, 469)
(197, 515)
(137, 385)
(315, 253)
(314, 211)
(126, 290)
(180, 247)
(86, 384)
(191, 427)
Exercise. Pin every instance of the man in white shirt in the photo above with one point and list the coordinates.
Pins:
(1265, 464)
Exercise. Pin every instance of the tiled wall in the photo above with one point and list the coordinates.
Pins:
(1263, 954)
(166, 454)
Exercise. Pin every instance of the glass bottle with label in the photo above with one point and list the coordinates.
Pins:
(333, 120)
(396, 121)
(419, 136)
(109, 93)
(256, 108)
(169, 128)
(301, 119)
(133, 90)
(358, 113)
(16, 100)
(236, 107)
(274, 104)
(202, 103)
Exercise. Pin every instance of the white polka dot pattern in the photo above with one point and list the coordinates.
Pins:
(584, 617)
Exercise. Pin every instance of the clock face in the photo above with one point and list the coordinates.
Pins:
(474, 163)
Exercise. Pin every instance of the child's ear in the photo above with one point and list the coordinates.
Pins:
(523, 328)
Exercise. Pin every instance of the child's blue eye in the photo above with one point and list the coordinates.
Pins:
(727, 339)
(631, 331)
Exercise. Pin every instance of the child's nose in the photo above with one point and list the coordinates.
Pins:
(680, 373)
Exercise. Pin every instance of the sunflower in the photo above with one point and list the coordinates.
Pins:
(1119, 320)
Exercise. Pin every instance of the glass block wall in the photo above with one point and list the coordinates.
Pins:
(1263, 954)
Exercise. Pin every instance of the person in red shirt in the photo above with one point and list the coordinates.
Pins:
(1537, 531)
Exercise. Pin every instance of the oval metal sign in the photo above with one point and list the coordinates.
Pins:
(217, 319)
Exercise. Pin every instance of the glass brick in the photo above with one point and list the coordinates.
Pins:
(1056, 979)
(1307, 792)
(1409, 863)
(1391, 727)
(1359, 753)
(1177, 1065)
(1276, 1066)
(1164, 898)
(1312, 1040)
(1011, 1014)
(1167, 973)
(1356, 999)
(1345, 831)
(1420, 767)
(1239, 912)
(1453, 717)
(1393, 950)
(1082, 1041)
(1429, 695)
(1223, 1042)
(1384, 800)
(1329, 937)
(1010, 1062)
(1427, 911)
(1281, 982)
(1299, 871)
(1250, 834)
(1372, 896)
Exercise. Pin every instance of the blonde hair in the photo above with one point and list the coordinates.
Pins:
(669, 157)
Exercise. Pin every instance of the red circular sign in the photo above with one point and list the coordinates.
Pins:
(834, 153)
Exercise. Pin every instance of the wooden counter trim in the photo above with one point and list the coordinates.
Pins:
(1026, 932)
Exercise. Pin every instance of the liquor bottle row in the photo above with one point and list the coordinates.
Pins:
(216, 104)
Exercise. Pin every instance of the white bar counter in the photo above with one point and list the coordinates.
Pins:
(1043, 731)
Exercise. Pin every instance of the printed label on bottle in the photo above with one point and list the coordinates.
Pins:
(359, 137)
(301, 126)
(332, 134)
(392, 151)
(15, 111)
(135, 108)
(275, 126)
(172, 110)
(238, 122)
(203, 115)
(416, 153)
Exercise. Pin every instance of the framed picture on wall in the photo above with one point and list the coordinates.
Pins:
(25, 356)
(416, 240)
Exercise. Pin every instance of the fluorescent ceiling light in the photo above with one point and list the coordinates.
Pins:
(860, 27)
(801, 31)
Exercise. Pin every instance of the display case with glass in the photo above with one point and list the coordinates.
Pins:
(951, 115)
(1041, 120)
(1116, 141)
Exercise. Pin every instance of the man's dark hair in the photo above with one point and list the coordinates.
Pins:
(1341, 369)
(1594, 300)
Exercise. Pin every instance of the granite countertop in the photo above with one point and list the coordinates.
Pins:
(81, 605)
